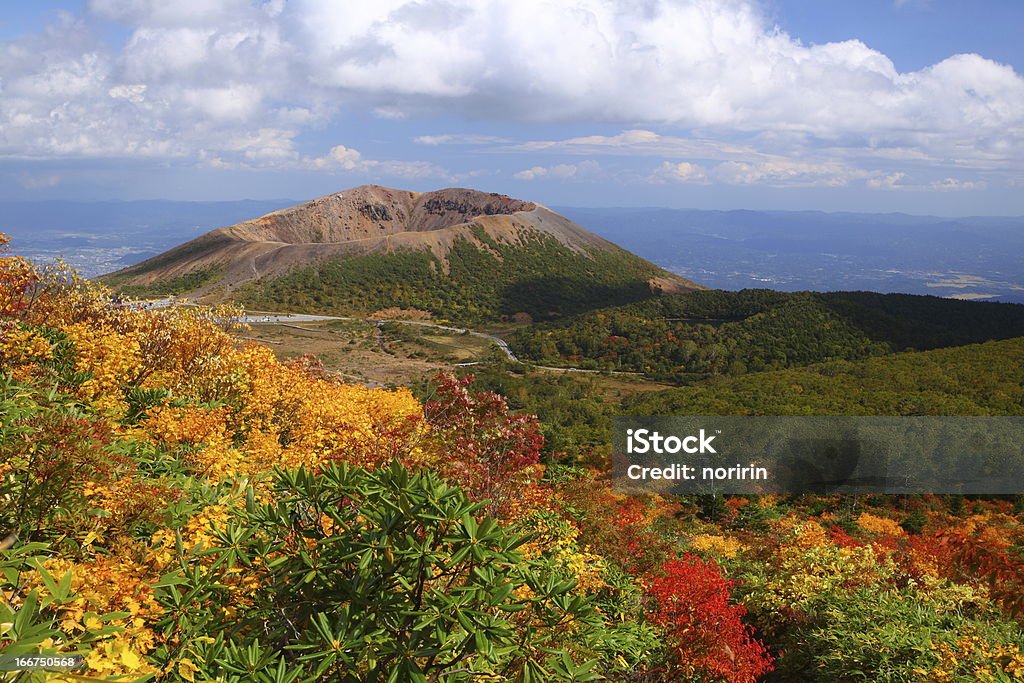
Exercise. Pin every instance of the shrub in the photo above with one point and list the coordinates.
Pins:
(691, 601)
(367, 576)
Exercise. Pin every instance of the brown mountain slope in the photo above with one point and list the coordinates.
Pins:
(372, 221)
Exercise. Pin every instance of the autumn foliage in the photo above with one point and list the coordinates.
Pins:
(692, 602)
(496, 451)
(173, 490)
(181, 505)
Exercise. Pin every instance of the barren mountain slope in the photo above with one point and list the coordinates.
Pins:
(372, 221)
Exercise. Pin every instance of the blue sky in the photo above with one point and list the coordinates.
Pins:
(876, 105)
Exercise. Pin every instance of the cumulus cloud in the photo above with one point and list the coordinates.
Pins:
(681, 172)
(340, 156)
(197, 79)
(561, 171)
(889, 181)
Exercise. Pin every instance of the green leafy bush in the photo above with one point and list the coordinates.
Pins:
(378, 576)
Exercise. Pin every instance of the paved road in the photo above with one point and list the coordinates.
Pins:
(288, 318)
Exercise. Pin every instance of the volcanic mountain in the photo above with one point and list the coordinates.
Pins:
(459, 253)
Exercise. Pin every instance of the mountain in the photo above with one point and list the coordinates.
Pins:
(460, 253)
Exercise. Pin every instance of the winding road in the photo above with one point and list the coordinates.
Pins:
(289, 320)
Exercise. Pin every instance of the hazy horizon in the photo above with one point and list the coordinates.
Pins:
(287, 201)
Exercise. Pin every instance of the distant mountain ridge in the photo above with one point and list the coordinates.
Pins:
(342, 252)
(968, 257)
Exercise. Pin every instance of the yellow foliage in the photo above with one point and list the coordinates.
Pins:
(972, 656)
(102, 585)
(879, 525)
(225, 411)
(720, 546)
(807, 573)
(809, 565)
(110, 358)
(286, 419)
(19, 345)
(129, 499)
(558, 539)
(997, 530)
(802, 533)
(198, 533)
(204, 434)
(947, 597)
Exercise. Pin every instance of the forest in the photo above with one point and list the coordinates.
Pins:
(180, 505)
(687, 337)
(478, 281)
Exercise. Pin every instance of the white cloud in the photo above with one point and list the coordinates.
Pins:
(133, 93)
(681, 172)
(407, 169)
(903, 182)
(195, 76)
(459, 139)
(955, 184)
(274, 149)
(340, 156)
(531, 173)
(640, 142)
(890, 181)
(266, 145)
(782, 172)
(559, 171)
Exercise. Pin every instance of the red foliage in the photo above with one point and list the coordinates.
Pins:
(19, 280)
(310, 365)
(630, 520)
(691, 602)
(485, 445)
(1003, 573)
(886, 546)
(843, 539)
(921, 554)
(618, 528)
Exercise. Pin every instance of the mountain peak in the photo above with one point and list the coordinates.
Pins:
(370, 211)
(412, 241)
